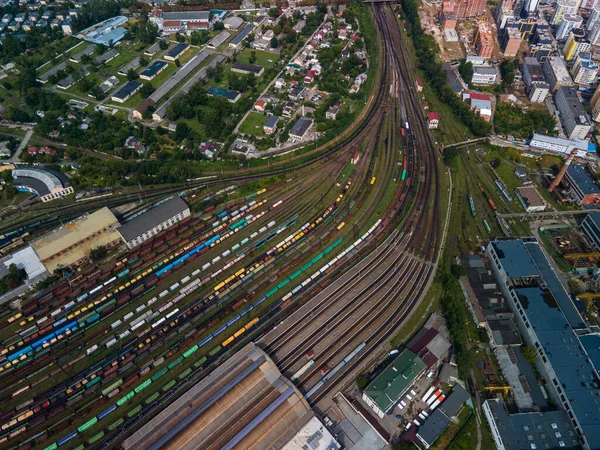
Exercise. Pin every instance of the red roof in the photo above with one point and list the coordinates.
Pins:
(171, 23)
(260, 102)
(192, 25)
(32, 150)
(419, 82)
(433, 116)
(479, 96)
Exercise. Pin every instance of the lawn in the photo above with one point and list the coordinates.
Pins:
(263, 58)
(254, 124)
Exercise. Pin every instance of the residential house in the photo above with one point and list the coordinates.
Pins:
(333, 111)
(135, 144)
(482, 103)
(270, 125)
(419, 85)
(260, 105)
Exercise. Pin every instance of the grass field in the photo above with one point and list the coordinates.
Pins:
(263, 58)
(254, 124)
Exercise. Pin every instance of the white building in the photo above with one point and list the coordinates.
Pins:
(559, 145)
(152, 222)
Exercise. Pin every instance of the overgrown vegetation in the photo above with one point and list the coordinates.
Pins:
(511, 120)
(13, 279)
(429, 63)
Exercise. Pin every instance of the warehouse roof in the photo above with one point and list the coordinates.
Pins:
(441, 417)
(532, 430)
(153, 69)
(177, 50)
(46, 75)
(219, 39)
(151, 51)
(252, 68)
(86, 51)
(106, 56)
(524, 258)
(222, 411)
(133, 64)
(126, 90)
(202, 16)
(584, 182)
(150, 219)
(237, 40)
(301, 127)
(74, 240)
(395, 379)
(531, 196)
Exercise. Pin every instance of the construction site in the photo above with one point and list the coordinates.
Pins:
(569, 248)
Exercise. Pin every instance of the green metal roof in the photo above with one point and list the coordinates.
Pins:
(393, 381)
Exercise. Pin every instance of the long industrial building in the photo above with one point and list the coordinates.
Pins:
(152, 222)
(73, 242)
(550, 323)
(244, 404)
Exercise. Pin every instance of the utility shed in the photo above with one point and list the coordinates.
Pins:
(385, 390)
(245, 404)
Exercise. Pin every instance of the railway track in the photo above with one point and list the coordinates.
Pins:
(387, 253)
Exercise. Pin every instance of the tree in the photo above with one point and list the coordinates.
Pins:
(529, 353)
(273, 12)
(252, 58)
(132, 75)
(146, 90)
(182, 131)
(218, 26)
(96, 254)
(163, 44)
(507, 70)
(179, 37)
(147, 32)
(274, 42)
(362, 382)
(466, 70)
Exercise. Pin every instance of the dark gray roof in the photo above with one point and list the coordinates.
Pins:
(177, 50)
(41, 180)
(153, 69)
(157, 215)
(435, 424)
(524, 430)
(272, 121)
(253, 68)
(300, 127)
(242, 35)
(106, 56)
(126, 90)
(453, 403)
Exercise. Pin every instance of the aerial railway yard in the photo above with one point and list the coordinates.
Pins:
(321, 256)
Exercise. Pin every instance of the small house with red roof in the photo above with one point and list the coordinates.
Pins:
(433, 120)
(309, 76)
(419, 85)
(260, 105)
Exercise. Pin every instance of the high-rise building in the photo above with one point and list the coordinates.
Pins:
(503, 16)
(541, 44)
(587, 4)
(484, 40)
(563, 7)
(469, 8)
(510, 41)
(594, 37)
(537, 88)
(568, 22)
(595, 104)
(594, 16)
(556, 73)
(572, 114)
(584, 71)
(577, 42)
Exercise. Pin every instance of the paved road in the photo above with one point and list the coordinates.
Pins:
(22, 145)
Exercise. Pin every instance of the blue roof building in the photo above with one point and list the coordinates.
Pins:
(582, 187)
(591, 228)
(239, 38)
(547, 318)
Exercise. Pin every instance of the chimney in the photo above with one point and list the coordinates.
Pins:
(562, 171)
